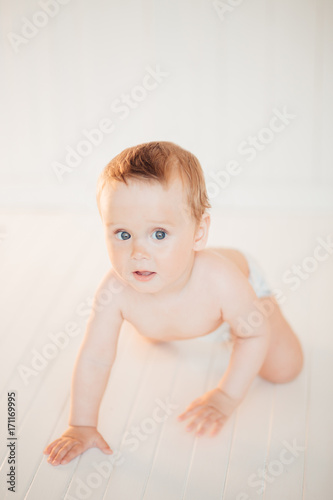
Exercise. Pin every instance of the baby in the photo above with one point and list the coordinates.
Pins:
(153, 204)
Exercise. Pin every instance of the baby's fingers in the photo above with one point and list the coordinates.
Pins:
(76, 450)
(190, 410)
(60, 449)
(217, 426)
(50, 447)
(103, 445)
(62, 454)
(199, 419)
(205, 424)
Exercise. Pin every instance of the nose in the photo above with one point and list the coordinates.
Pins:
(139, 250)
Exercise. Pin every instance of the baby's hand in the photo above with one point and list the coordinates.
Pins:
(210, 411)
(73, 442)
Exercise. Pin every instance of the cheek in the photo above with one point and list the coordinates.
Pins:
(176, 256)
(116, 254)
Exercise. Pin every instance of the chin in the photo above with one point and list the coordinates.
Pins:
(145, 286)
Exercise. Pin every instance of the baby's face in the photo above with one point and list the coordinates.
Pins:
(149, 228)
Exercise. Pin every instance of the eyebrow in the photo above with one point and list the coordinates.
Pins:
(155, 223)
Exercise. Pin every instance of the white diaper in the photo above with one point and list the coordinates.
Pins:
(257, 277)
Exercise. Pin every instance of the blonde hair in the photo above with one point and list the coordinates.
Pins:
(157, 161)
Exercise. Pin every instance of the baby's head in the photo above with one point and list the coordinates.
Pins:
(159, 189)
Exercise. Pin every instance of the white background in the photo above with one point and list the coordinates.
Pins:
(228, 69)
(228, 73)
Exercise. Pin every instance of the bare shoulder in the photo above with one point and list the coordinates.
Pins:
(226, 267)
(111, 290)
(232, 255)
(230, 283)
(226, 257)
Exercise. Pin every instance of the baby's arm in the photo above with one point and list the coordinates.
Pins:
(211, 410)
(91, 373)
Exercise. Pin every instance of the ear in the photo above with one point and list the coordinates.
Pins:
(201, 233)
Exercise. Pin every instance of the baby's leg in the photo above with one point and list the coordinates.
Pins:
(284, 359)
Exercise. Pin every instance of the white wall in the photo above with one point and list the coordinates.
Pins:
(226, 75)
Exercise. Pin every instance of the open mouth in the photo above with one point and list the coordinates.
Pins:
(143, 275)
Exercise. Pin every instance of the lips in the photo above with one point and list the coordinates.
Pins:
(143, 275)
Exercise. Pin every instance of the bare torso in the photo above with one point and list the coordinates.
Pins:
(193, 313)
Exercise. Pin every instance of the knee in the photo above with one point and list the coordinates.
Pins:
(288, 373)
(296, 365)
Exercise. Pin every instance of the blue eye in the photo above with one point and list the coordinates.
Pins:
(125, 233)
(160, 235)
